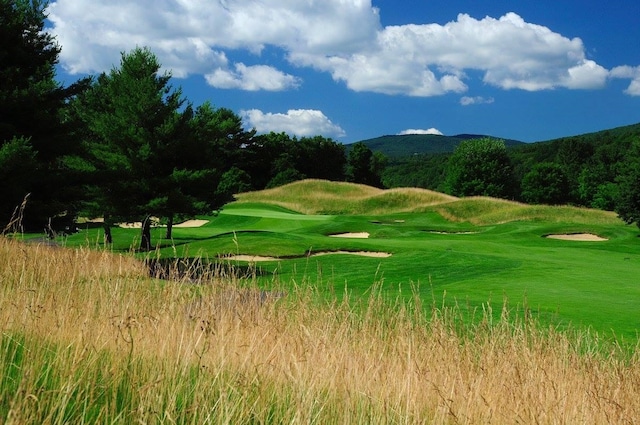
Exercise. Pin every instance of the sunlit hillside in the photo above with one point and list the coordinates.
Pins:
(324, 197)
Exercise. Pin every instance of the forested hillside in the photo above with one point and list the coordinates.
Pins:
(585, 170)
(400, 146)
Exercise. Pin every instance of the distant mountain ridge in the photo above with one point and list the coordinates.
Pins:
(397, 146)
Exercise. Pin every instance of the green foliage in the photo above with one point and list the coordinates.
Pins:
(628, 200)
(480, 167)
(17, 162)
(133, 134)
(423, 171)
(32, 107)
(363, 166)
(233, 181)
(403, 146)
(546, 183)
(283, 177)
(277, 158)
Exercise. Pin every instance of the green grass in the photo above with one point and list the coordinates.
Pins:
(504, 255)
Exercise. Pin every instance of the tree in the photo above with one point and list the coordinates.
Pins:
(546, 183)
(232, 182)
(321, 158)
(32, 115)
(135, 135)
(628, 195)
(480, 167)
(363, 166)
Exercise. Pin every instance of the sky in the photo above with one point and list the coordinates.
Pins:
(358, 69)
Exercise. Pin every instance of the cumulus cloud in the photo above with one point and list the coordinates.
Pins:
(252, 78)
(340, 37)
(418, 131)
(299, 122)
(477, 100)
(628, 72)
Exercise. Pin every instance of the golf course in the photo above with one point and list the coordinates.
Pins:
(566, 266)
(322, 302)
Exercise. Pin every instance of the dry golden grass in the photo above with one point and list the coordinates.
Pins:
(104, 343)
(484, 210)
(325, 197)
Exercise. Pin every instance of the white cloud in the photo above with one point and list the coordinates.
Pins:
(341, 37)
(299, 122)
(252, 78)
(477, 100)
(628, 72)
(418, 131)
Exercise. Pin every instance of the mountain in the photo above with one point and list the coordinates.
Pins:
(411, 144)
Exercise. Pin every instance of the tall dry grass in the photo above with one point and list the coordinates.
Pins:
(325, 197)
(89, 338)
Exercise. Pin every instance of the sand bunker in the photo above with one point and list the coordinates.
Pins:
(441, 232)
(359, 253)
(249, 258)
(360, 235)
(258, 258)
(582, 237)
(154, 223)
(192, 223)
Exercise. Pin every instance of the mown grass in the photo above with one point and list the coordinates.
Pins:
(87, 337)
(472, 250)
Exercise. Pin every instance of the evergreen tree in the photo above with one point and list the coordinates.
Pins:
(135, 135)
(628, 194)
(32, 115)
(363, 166)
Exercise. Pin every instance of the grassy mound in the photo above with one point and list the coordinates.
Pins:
(339, 198)
(325, 197)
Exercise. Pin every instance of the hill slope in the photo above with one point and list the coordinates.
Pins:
(406, 145)
(335, 198)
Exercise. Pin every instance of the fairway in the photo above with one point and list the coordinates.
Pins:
(474, 252)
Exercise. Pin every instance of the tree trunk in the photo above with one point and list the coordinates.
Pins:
(106, 225)
(145, 240)
(169, 226)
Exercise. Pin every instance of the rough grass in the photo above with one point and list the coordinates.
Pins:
(324, 197)
(88, 338)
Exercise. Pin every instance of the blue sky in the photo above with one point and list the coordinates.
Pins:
(357, 69)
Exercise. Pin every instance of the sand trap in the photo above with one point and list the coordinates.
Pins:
(360, 235)
(249, 258)
(192, 223)
(359, 253)
(439, 232)
(258, 258)
(154, 223)
(582, 237)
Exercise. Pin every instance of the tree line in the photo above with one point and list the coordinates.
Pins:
(127, 145)
(599, 170)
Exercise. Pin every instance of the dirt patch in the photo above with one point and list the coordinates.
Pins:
(359, 235)
(581, 237)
